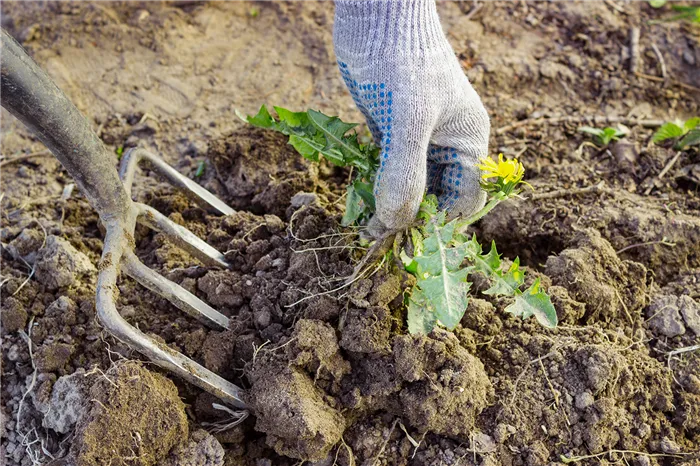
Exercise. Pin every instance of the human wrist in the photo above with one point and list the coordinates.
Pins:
(402, 29)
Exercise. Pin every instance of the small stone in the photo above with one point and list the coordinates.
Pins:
(584, 400)
(262, 318)
(278, 263)
(141, 15)
(26, 245)
(483, 443)
(127, 311)
(264, 263)
(14, 354)
(690, 310)
(301, 199)
(644, 430)
(274, 224)
(502, 432)
(692, 384)
(642, 460)
(664, 316)
(59, 264)
(575, 60)
(68, 402)
(3, 423)
(669, 446)
(63, 308)
(201, 450)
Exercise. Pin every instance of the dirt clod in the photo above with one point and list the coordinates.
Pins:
(69, 401)
(666, 314)
(59, 264)
(292, 411)
(133, 413)
(14, 316)
(202, 449)
(447, 387)
(594, 275)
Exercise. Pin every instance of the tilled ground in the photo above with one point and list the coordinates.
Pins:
(332, 376)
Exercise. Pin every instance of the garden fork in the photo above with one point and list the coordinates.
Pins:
(30, 95)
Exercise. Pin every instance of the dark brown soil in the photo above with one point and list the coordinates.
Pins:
(332, 377)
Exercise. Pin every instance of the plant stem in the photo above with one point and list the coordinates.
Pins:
(461, 226)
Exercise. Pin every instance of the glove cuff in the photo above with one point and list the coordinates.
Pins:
(401, 29)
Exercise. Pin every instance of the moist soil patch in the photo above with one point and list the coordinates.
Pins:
(332, 376)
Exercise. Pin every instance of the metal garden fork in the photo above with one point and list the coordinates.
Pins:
(30, 95)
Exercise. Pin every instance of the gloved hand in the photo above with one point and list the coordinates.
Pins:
(422, 110)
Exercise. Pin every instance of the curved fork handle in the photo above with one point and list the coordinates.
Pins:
(31, 96)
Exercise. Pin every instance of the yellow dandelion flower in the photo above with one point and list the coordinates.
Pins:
(511, 171)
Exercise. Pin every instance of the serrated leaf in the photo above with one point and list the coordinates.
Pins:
(313, 134)
(365, 191)
(304, 148)
(421, 319)
(438, 256)
(507, 283)
(486, 263)
(263, 119)
(667, 131)
(340, 149)
(353, 208)
(448, 294)
(293, 119)
(533, 302)
(690, 139)
(690, 123)
(441, 280)
(428, 207)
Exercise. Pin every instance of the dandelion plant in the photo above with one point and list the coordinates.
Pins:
(439, 253)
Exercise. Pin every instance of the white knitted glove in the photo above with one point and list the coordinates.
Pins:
(430, 123)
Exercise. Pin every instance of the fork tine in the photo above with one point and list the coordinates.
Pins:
(180, 297)
(181, 236)
(160, 354)
(132, 157)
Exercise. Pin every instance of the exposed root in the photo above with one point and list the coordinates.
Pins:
(33, 444)
(576, 459)
(345, 285)
(236, 417)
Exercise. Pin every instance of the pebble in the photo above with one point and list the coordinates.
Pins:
(669, 446)
(664, 316)
(302, 199)
(690, 310)
(3, 424)
(13, 354)
(644, 430)
(584, 400)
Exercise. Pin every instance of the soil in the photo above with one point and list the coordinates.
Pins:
(332, 376)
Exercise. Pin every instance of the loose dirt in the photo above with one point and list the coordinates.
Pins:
(332, 376)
